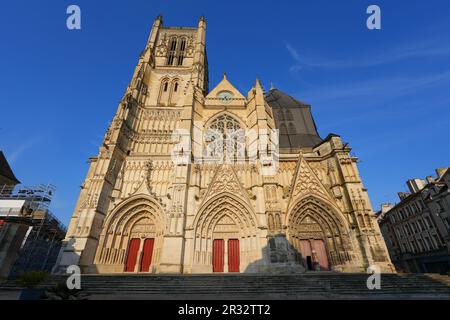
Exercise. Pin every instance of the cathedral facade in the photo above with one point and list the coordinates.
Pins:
(189, 180)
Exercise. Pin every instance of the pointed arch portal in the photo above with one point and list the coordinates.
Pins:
(318, 234)
(132, 237)
(225, 235)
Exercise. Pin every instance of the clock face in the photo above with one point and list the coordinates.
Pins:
(225, 96)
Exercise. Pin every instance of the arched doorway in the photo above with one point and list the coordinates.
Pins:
(226, 245)
(132, 237)
(310, 242)
(140, 246)
(225, 236)
(318, 235)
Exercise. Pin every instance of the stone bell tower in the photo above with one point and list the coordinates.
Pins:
(135, 158)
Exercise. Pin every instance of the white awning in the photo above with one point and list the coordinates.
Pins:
(11, 207)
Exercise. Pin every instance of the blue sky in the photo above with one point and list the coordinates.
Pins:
(386, 92)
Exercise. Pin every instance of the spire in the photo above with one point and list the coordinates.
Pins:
(199, 75)
(225, 76)
(258, 85)
(202, 22)
(157, 22)
(259, 92)
(154, 32)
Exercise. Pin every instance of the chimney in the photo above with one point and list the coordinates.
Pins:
(430, 179)
(415, 185)
(385, 207)
(440, 172)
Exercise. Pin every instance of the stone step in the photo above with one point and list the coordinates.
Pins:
(242, 286)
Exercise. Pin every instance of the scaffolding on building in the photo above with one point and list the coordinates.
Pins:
(42, 242)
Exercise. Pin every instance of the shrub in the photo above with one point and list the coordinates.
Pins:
(61, 292)
(32, 278)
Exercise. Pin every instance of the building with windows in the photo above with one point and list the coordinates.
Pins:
(193, 180)
(417, 229)
(30, 235)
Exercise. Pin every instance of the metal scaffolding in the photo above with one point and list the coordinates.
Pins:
(42, 242)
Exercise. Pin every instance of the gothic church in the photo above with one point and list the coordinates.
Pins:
(162, 198)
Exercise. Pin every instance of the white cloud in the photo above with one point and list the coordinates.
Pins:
(22, 148)
(381, 88)
(432, 48)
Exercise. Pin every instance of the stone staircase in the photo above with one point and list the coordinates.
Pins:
(257, 287)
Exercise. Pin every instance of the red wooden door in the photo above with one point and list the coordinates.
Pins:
(233, 255)
(218, 255)
(305, 250)
(319, 247)
(133, 250)
(147, 253)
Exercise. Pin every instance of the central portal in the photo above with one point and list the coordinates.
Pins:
(225, 236)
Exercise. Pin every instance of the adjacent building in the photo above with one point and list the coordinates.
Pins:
(417, 229)
(30, 235)
(193, 180)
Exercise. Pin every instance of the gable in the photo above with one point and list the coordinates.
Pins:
(225, 180)
(305, 181)
(224, 85)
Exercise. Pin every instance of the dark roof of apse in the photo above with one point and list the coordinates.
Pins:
(5, 169)
(306, 132)
(281, 99)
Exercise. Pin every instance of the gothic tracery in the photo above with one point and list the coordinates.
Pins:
(225, 139)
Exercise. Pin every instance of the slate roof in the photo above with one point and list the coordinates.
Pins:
(305, 127)
(5, 169)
